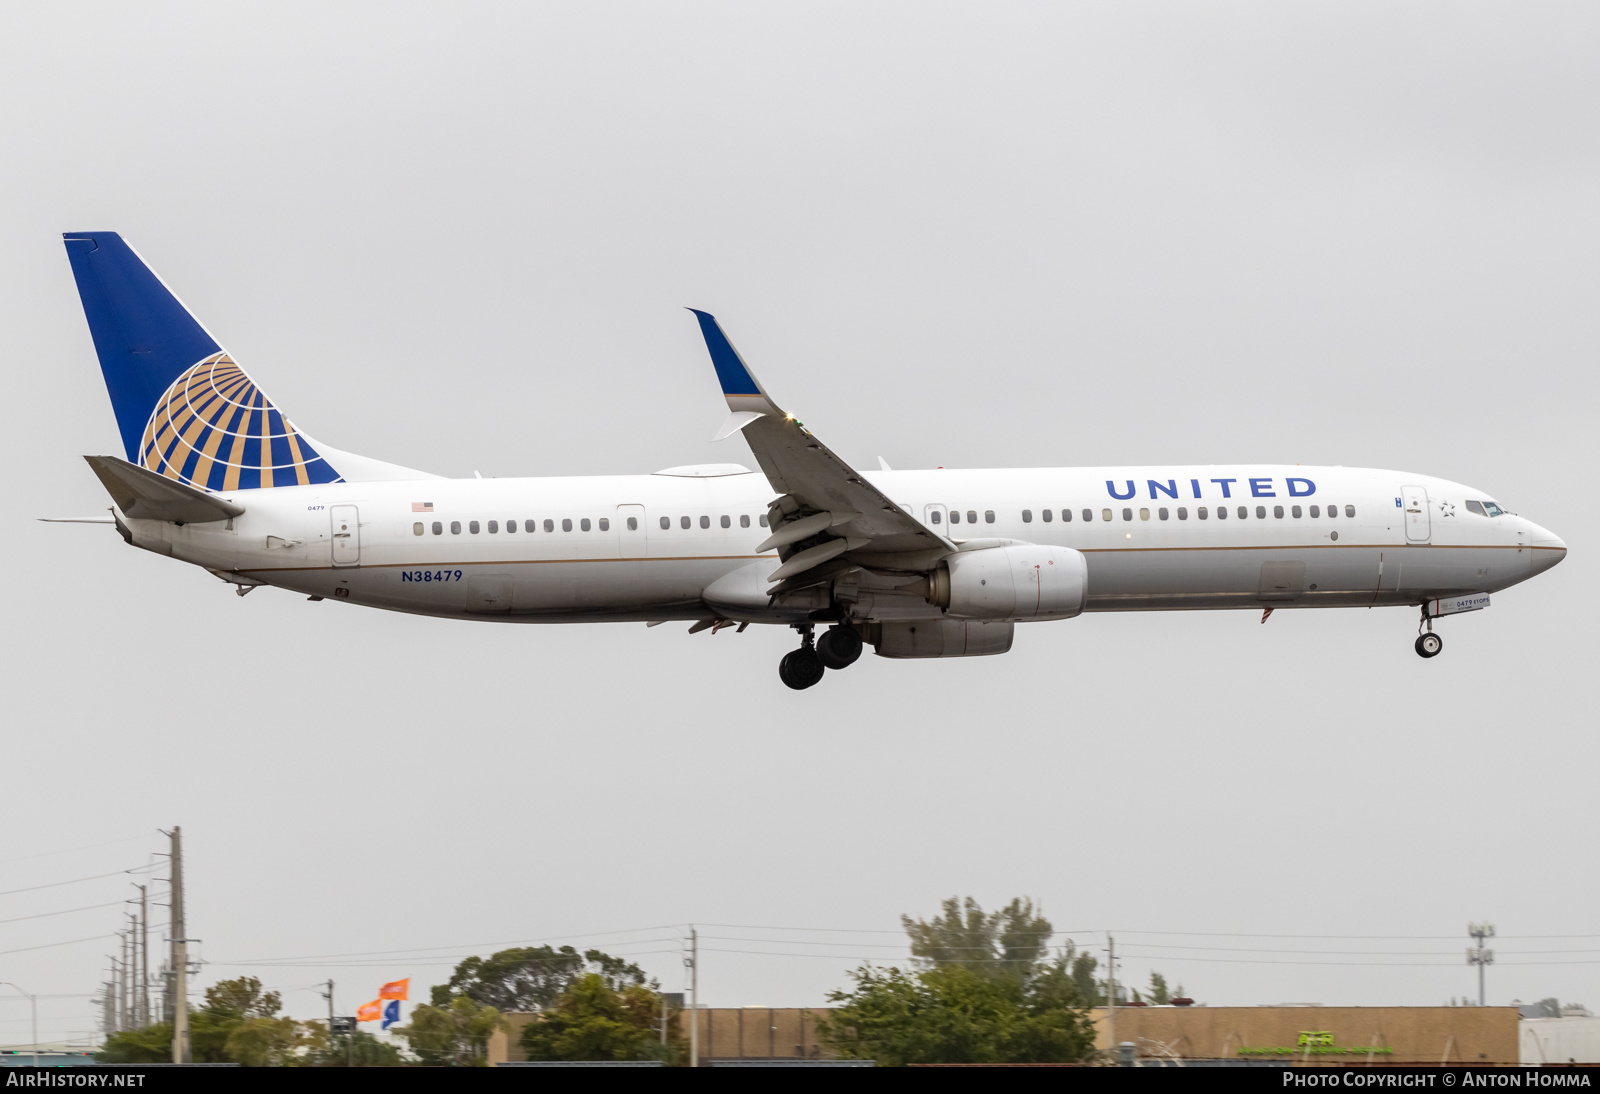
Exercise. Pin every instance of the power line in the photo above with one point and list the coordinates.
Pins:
(69, 850)
(470, 947)
(52, 945)
(74, 881)
(64, 911)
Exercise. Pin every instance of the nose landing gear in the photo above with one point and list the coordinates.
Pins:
(1428, 644)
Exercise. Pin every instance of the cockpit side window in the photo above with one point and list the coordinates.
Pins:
(1492, 509)
(1476, 507)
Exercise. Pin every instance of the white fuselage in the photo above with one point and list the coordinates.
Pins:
(1410, 538)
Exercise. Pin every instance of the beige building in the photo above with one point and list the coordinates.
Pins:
(1312, 1035)
(726, 1033)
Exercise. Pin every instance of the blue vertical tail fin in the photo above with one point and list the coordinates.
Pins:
(184, 408)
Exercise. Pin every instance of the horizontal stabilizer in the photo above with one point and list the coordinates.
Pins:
(145, 495)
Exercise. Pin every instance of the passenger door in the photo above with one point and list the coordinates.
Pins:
(1416, 513)
(346, 535)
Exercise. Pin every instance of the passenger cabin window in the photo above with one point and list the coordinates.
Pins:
(1294, 512)
(972, 516)
(988, 516)
(1027, 516)
(1476, 507)
(727, 522)
(1315, 511)
(528, 526)
(1244, 511)
(605, 524)
(683, 522)
(494, 526)
(511, 526)
(583, 525)
(1066, 515)
(472, 526)
(935, 516)
(1144, 514)
(1222, 512)
(633, 524)
(762, 519)
(744, 520)
(955, 516)
(1261, 512)
(666, 522)
(1088, 514)
(416, 529)
(1333, 511)
(705, 522)
(566, 524)
(438, 529)
(549, 525)
(1044, 515)
(1162, 513)
(1350, 511)
(1183, 513)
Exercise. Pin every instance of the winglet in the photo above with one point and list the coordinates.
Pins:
(739, 385)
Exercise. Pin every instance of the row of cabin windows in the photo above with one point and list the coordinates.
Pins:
(972, 516)
(1183, 513)
(474, 528)
(705, 521)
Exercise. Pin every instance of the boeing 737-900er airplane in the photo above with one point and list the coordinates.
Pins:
(939, 563)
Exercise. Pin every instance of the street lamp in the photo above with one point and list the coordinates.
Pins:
(33, 1001)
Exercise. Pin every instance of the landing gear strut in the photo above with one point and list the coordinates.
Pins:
(1428, 644)
(801, 668)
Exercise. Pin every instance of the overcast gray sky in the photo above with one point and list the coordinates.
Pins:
(461, 237)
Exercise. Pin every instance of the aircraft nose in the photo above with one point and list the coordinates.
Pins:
(1548, 549)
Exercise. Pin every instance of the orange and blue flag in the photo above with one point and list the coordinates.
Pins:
(369, 1012)
(396, 989)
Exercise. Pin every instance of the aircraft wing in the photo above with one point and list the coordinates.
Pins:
(145, 495)
(828, 518)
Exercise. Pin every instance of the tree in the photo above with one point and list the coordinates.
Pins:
(532, 978)
(1007, 942)
(358, 1049)
(267, 1042)
(242, 997)
(593, 1020)
(454, 1034)
(151, 1045)
(952, 1014)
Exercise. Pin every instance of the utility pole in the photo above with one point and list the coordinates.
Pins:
(144, 957)
(122, 984)
(1478, 955)
(1111, 992)
(180, 956)
(694, 997)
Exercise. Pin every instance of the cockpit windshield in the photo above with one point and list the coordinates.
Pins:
(1493, 510)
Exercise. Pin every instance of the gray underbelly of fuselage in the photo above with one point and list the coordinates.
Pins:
(595, 590)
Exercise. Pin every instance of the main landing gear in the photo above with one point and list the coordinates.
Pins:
(838, 648)
(1428, 644)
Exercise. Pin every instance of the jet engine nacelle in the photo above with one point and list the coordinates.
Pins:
(1025, 581)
